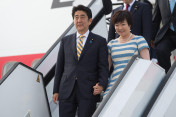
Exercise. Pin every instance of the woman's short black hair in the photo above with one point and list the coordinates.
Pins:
(122, 15)
(82, 8)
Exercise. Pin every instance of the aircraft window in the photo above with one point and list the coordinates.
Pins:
(7, 67)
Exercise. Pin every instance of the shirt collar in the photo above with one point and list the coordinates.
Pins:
(86, 34)
(124, 4)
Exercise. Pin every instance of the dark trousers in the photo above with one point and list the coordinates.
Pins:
(164, 49)
(68, 108)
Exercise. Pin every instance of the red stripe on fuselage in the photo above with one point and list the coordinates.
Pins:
(26, 59)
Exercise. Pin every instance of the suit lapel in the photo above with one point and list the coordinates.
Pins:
(73, 43)
(87, 45)
(134, 7)
(166, 2)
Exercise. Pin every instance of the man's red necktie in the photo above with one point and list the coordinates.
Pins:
(127, 5)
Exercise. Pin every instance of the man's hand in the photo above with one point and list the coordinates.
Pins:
(55, 97)
(97, 89)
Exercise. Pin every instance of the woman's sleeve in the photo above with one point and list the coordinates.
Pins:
(142, 43)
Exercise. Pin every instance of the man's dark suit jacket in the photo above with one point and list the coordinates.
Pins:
(91, 68)
(162, 13)
(142, 21)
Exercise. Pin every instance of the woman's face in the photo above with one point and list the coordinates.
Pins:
(122, 28)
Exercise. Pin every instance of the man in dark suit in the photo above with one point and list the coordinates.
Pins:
(142, 19)
(164, 37)
(81, 68)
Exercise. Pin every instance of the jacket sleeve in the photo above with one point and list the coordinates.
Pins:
(59, 68)
(103, 64)
(147, 23)
(156, 19)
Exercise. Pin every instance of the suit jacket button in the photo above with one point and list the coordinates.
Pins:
(76, 78)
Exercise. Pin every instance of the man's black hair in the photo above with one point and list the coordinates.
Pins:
(82, 8)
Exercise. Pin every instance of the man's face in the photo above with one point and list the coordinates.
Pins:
(82, 22)
(127, 1)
